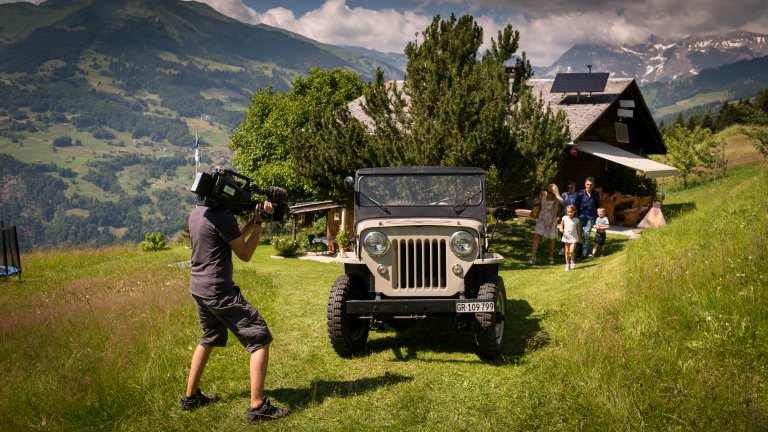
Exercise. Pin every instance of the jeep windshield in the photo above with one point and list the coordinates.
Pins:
(422, 190)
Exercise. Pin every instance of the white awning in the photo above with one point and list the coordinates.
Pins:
(651, 169)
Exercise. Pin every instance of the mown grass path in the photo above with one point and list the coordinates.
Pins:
(667, 332)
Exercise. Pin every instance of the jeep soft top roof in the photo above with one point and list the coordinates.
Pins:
(476, 212)
(420, 170)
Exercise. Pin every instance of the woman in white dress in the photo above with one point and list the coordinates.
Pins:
(546, 223)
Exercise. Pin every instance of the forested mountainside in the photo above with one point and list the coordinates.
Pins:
(103, 101)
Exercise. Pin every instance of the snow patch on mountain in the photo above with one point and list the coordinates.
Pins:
(661, 59)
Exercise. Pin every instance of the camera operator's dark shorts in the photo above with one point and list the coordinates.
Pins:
(600, 237)
(231, 311)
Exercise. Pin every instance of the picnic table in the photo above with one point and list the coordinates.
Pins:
(329, 242)
(625, 209)
(610, 202)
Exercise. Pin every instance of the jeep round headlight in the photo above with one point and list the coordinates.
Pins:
(376, 243)
(462, 243)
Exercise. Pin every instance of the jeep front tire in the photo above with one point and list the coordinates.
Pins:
(489, 326)
(348, 333)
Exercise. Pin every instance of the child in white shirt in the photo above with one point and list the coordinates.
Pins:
(571, 229)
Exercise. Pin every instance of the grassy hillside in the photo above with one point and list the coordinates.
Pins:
(683, 105)
(666, 332)
(739, 149)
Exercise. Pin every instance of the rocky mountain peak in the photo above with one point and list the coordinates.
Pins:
(662, 59)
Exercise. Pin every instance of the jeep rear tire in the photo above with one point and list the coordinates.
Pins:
(348, 333)
(489, 326)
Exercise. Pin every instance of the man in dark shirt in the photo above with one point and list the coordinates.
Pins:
(587, 202)
(214, 234)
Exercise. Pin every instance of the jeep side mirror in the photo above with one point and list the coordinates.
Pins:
(349, 184)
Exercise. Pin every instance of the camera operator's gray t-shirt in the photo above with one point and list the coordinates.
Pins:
(210, 231)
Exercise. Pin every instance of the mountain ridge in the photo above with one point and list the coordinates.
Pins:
(661, 59)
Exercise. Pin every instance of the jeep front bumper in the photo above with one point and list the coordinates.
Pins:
(413, 306)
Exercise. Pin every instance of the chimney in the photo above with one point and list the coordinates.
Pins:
(511, 72)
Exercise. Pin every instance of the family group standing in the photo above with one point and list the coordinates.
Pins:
(571, 216)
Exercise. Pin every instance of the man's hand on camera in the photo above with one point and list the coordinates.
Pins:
(265, 207)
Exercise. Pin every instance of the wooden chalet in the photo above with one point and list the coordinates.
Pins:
(612, 130)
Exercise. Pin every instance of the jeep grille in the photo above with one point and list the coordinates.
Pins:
(419, 264)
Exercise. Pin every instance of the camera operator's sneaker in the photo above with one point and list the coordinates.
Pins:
(197, 400)
(266, 411)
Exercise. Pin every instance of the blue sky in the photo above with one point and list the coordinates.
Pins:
(548, 28)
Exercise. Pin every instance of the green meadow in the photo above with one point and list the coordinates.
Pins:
(665, 332)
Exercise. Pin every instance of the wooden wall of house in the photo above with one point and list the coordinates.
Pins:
(334, 222)
(578, 168)
(585, 165)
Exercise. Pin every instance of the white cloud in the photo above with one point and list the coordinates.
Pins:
(234, 9)
(336, 23)
(544, 38)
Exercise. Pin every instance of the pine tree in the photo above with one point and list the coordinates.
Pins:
(761, 100)
(707, 121)
(453, 109)
(728, 116)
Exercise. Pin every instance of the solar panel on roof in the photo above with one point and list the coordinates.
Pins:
(579, 82)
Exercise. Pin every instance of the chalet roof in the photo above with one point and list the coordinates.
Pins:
(356, 106)
(584, 112)
(309, 207)
(585, 109)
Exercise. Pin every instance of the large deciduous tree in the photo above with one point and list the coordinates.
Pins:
(692, 151)
(454, 108)
(261, 142)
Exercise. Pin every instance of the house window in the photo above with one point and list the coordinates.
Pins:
(622, 132)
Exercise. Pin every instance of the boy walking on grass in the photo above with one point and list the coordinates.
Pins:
(601, 224)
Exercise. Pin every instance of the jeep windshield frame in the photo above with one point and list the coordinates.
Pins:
(430, 192)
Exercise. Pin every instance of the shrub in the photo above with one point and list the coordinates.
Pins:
(285, 246)
(153, 242)
(342, 239)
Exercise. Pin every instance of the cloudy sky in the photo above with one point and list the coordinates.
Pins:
(548, 28)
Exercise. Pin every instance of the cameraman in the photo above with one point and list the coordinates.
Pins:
(214, 234)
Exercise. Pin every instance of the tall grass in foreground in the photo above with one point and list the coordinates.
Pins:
(667, 332)
(86, 335)
(700, 308)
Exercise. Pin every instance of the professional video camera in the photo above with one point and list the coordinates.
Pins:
(223, 188)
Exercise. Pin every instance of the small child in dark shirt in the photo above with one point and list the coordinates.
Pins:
(601, 224)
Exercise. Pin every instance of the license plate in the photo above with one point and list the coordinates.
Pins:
(475, 306)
